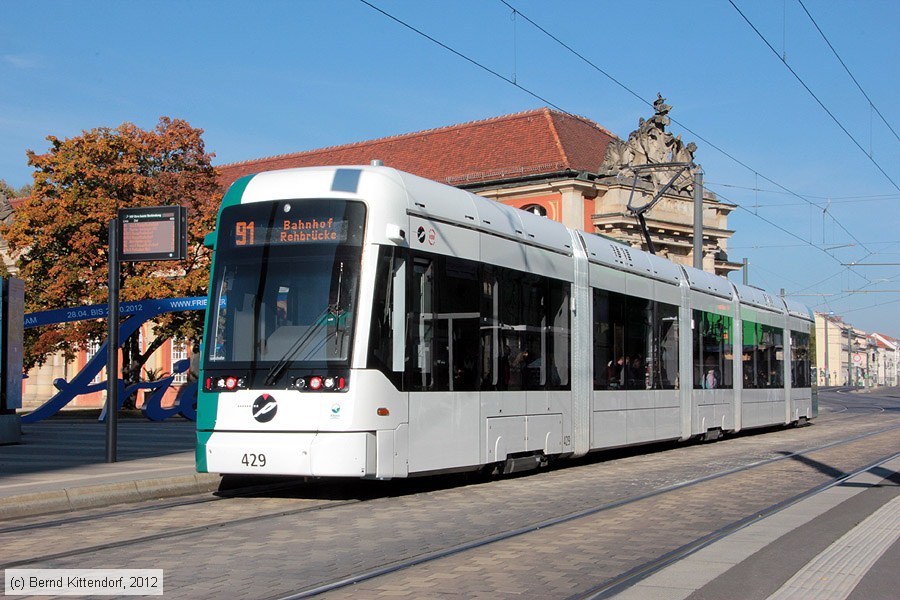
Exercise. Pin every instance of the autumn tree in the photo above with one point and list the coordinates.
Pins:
(7, 194)
(59, 235)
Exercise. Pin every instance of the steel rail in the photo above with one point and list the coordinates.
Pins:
(492, 539)
(161, 504)
(633, 576)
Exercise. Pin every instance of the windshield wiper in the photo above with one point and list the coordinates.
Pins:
(333, 313)
(279, 367)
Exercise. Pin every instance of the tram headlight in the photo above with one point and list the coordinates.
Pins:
(319, 383)
(228, 383)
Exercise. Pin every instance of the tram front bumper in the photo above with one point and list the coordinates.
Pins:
(342, 454)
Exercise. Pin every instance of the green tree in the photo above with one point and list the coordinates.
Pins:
(59, 235)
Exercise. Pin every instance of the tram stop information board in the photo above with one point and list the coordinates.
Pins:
(136, 234)
(152, 233)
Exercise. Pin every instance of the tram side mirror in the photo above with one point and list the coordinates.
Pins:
(210, 240)
(396, 234)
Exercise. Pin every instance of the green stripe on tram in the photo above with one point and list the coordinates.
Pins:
(235, 192)
(200, 450)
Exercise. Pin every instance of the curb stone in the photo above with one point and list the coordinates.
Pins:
(98, 496)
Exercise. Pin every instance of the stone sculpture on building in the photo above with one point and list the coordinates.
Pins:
(651, 144)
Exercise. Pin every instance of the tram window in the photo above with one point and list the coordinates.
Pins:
(458, 307)
(420, 349)
(800, 360)
(763, 353)
(474, 327)
(491, 368)
(713, 350)
(559, 352)
(604, 347)
(522, 323)
(381, 336)
(635, 343)
(443, 324)
(665, 372)
(525, 331)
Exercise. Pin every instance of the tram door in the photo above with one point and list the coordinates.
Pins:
(442, 357)
(443, 332)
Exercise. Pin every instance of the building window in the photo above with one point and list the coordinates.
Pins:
(179, 352)
(535, 209)
(92, 348)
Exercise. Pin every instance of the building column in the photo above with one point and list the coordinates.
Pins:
(574, 199)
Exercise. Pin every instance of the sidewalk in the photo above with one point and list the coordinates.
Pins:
(840, 543)
(61, 465)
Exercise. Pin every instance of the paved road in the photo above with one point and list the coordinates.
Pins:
(285, 553)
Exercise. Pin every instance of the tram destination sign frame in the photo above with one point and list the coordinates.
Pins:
(152, 233)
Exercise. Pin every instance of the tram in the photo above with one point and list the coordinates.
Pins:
(366, 322)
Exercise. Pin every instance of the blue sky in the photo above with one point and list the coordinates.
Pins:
(267, 78)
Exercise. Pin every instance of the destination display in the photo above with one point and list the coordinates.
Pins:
(152, 233)
(294, 223)
(289, 231)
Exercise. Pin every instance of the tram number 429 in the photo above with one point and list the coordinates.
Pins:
(254, 460)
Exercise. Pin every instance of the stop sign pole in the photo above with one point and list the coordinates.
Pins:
(112, 345)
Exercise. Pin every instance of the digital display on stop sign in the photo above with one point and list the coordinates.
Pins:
(152, 233)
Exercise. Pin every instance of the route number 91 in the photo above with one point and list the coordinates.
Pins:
(254, 460)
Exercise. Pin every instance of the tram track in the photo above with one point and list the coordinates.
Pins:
(172, 534)
(610, 588)
(607, 588)
(43, 522)
(424, 558)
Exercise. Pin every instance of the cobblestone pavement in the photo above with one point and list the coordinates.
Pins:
(559, 561)
(280, 555)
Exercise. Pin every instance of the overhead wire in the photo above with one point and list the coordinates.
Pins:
(793, 235)
(870, 306)
(813, 94)
(604, 73)
(832, 199)
(847, 69)
(623, 86)
(464, 57)
(682, 125)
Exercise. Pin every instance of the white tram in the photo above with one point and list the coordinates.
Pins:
(365, 322)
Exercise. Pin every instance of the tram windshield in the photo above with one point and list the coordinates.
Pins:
(285, 285)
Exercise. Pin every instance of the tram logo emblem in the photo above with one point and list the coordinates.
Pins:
(264, 408)
(431, 235)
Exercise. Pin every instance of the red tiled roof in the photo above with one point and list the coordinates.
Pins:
(883, 340)
(527, 143)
